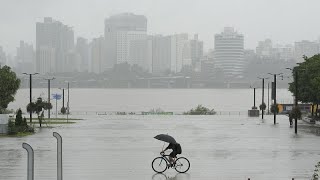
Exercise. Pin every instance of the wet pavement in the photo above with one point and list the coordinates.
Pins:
(122, 148)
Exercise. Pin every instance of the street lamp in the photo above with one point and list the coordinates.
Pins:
(49, 79)
(275, 95)
(254, 96)
(262, 93)
(296, 97)
(30, 80)
(62, 97)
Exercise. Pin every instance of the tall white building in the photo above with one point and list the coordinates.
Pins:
(25, 58)
(54, 36)
(305, 48)
(122, 33)
(3, 58)
(162, 54)
(196, 49)
(180, 48)
(82, 48)
(265, 49)
(46, 60)
(98, 60)
(229, 53)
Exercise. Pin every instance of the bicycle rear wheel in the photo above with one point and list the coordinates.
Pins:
(159, 164)
(182, 165)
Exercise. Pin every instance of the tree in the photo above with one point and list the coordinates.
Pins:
(38, 108)
(63, 110)
(295, 113)
(200, 110)
(308, 81)
(9, 84)
(19, 121)
(263, 106)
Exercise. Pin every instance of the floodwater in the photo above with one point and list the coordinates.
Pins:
(123, 147)
(172, 100)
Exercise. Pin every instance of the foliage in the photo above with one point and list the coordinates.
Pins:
(12, 130)
(9, 84)
(273, 108)
(63, 110)
(308, 80)
(263, 106)
(295, 113)
(200, 110)
(19, 126)
(18, 120)
(38, 107)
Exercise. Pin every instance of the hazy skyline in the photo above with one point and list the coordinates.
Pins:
(283, 21)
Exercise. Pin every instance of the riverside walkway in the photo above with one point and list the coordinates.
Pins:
(122, 148)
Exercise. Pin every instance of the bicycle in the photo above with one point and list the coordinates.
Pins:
(161, 164)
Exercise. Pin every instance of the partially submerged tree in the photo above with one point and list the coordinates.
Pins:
(201, 110)
(38, 107)
(9, 84)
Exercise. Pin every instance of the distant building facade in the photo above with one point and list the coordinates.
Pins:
(82, 49)
(98, 60)
(162, 54)
(3, 58)
(305, 48)
(196, 48)
(122, 33)
(229, 53)
(52, 36)
(25, 58)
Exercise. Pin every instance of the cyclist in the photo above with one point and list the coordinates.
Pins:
(176, 149)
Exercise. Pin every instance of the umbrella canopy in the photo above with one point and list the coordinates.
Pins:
(166, 138)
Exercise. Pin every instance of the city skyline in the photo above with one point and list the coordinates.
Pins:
(163, 19)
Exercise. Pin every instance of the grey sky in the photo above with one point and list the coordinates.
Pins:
(284, 21)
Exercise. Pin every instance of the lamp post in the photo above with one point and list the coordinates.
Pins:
(275, 96)
(30, 80)
(62, 97)
(262, 94)
(268, 99)
(295, 98)
(49, 79)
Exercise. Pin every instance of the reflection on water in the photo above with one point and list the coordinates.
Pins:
(177, 176)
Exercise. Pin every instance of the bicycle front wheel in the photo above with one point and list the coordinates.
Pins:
(182, 165)
(159, 164)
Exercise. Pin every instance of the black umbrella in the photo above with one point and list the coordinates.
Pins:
(166, 138)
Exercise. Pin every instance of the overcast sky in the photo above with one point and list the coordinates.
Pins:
(284, 21)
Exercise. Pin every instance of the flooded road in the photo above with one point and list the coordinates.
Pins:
(123, 147)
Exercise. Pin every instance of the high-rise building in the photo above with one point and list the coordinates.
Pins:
(196, 48)
(72, 62)
(25, 58)
(265, 49)
(229, 53)
(305, 48)
(3, 58)
(82, 48)
(98, 60)
(180, 49)
(162, 54)
(122, 32)
(53, 36)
